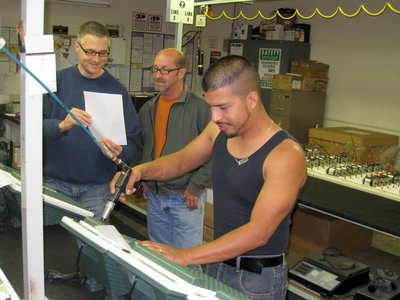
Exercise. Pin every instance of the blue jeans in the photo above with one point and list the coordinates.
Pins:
(271, 284)
(92, 197)
(171, 222)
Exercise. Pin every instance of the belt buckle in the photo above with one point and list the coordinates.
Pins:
(238, 259)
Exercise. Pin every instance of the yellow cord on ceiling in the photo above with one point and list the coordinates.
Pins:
(316, 11)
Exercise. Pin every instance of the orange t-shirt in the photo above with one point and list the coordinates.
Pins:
(161, 124)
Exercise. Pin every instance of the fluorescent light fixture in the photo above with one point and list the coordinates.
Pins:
(98, 3)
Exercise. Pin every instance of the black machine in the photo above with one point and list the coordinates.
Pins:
(119, 188)
(381, 287)
(329, 273)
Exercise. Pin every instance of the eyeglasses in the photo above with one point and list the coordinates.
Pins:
(154, 69)
(92, 53)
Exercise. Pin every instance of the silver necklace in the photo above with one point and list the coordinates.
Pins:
(241, 161)
(244, 160)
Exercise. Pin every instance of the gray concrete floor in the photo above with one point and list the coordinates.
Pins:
(61, 255)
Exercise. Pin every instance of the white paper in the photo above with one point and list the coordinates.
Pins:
(7, 179)
(107, 116)
(39, 44)
(112, 235)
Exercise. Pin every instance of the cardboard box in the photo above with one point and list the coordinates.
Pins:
(208, 233)
(208, 228)
(302, 32)
(359, 144)
(289, 35)
(318, 230)
(310, 68)
(286, 82)
(273, 32)
(263, 27)
(209, 214)
(294, 82)
(314, 84)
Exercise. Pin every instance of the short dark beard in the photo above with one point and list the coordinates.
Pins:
(229, 135)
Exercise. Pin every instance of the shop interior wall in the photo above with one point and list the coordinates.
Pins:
(362, 51)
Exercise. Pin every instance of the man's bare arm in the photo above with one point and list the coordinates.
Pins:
(195, 154)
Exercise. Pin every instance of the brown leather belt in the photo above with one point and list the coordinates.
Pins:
(254, 265)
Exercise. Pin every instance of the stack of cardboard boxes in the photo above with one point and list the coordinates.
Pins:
(305, 75)
(312, 231)
(360, 145)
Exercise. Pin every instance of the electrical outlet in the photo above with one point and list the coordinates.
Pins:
(200, 21)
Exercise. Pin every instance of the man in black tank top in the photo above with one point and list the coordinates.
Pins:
(258, 170)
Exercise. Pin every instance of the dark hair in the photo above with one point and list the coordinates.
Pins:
(92, 28)
(234, 71)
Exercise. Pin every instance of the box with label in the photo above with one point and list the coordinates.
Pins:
(358, 144)
(314, 84)
(295, 82)
(286, 82)
(263, 27)
(302, 32)
(273, 32)
(310, 68)
(288, 35)
(324, 231)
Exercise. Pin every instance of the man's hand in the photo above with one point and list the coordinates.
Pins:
(83, 116)
(191, 201)
(178, 256)
(130, 188)
(113, 147)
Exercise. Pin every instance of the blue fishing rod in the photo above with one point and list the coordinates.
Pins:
(121, 165)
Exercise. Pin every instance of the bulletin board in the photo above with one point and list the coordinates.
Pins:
(7, 65)
(144, 47)
(9, 70)
(65, 52)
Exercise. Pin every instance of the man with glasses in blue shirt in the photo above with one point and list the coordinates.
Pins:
(175, 208)
(73, 164)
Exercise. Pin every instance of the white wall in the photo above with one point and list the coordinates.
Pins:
(363, 52)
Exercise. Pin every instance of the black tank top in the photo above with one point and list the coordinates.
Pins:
(235, 189)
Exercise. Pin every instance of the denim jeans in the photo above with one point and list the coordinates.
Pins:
(271, 284)
(171, 222)
(92, 197)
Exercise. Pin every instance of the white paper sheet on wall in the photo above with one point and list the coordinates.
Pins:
(43, 66)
